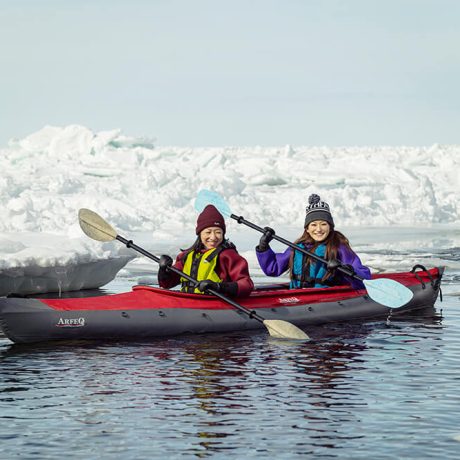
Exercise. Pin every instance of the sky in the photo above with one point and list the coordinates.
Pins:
(242, 73)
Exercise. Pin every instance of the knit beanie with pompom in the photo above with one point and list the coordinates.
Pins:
(318, 210)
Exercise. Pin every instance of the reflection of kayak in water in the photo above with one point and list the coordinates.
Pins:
(153, 312)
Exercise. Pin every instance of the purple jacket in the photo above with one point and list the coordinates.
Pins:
(274, 264)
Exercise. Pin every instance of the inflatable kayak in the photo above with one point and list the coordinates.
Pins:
(154, 312)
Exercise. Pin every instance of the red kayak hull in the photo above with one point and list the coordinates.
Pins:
(152, 312)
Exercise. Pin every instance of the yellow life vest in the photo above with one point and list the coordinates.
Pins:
(200, 266)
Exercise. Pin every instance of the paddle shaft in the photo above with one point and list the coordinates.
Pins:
(250, 313)
(346, 271)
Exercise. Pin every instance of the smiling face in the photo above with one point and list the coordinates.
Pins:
(211, 237)
(319, 230)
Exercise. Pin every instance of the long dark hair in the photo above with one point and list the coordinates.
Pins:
(332, 242)
(197, 246)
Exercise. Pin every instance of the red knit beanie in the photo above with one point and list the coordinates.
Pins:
(210, 217)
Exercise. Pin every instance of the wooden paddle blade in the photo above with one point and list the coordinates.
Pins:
(94, 226)
(388, 292)
(206, 197)
(284, 330)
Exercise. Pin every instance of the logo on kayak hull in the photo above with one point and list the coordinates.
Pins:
(288, 300)
(71, 322)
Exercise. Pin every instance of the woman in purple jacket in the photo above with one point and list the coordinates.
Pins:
(321, 238)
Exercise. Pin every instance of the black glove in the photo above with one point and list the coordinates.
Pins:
(165, 262)
(345, 269)
(349, 268)
(204, 285)
(226, 287)
(332, 265)
(265, 239)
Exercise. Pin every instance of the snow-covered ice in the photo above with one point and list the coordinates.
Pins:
(150, 191)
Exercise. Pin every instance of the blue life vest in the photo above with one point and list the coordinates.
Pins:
(300, 278)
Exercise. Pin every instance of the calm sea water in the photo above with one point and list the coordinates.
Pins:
(372, 390)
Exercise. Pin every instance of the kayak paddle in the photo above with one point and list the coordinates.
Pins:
(384, 291)
(98, 229)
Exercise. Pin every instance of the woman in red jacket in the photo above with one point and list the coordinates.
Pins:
(212, 260)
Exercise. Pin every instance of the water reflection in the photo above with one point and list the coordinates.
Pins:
(375, 390)
(240, 394)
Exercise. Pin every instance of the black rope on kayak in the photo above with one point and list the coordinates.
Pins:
(420, 280)
(388, 321)
(435, 284)
(432, 281)
(421, 267)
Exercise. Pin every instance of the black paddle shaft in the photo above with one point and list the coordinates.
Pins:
(339, 266)
(251, 313)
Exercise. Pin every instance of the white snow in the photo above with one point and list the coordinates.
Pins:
(145, 190)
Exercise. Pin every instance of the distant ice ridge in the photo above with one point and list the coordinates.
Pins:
(139, 188)
(50, 174)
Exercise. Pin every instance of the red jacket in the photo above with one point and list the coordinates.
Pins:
(230, 267)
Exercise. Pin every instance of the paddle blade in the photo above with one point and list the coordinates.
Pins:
(206, 197)
(284, 330)
(388, 292)
(94, 226)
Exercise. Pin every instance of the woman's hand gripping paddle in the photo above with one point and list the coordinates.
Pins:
(98, 229)
(384, 291)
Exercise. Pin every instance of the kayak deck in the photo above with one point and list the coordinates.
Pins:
(149, 297)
